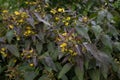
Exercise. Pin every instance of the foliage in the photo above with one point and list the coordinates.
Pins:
(59, 40)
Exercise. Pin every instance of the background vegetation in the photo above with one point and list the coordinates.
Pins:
(60, 39)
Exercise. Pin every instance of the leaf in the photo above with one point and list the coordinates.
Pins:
(64, 78)
(101, 16)
(2, 69)
(109, 16)
(107, 41)
(112, 30)
(30, 75)
(10, 35)
(95, 74)
(117, 45)
(13, 49)
(50, 62)
(104, 71)
(83, 31)
(64, 70)
(41, 20)
(79, 73)
(74, 78)
(97, 30)
(39, 47)
(43, 77)
(97, 54)
(51, 47)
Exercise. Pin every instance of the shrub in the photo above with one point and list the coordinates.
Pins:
(59, 40)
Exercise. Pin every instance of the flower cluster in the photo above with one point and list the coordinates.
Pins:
(67, 43)
(59, 17)
(59, 10)
(3, 52)
(28, 31)
(27, 53)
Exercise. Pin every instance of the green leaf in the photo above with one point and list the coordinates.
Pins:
(74, 78)
(13, 49)
(117, 45)
(107, 42)
(39, 47)
(64, 70)
(10, 35)
(2, 69)
(43, 77)
(101, 15)
(105, 71)
(79, 73)
(50, 63)
(83, 31)
(51, 47)
(95, 74)
(97, 30)
(112, 30)
(109, 16)
(97, 54)
(64, 77)
(30, 75)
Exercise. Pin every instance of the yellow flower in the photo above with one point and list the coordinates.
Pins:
(22, 54)
(57, 18)
(15, 60)
(28, 27)
(26, 2)
(63, 49)
(66, 23)
(71, 51)
(63, 45)
(68, 18)
(5, 11)
(85, 19)
(31, 51)
(74, 54)
(61, 10)
(31, 64)
(17, 13)
(24, 14)
(53, 11)
(3, 49)
(3, 53)
(33, 3)
(28, 56)
(18, 38)
(21, 21)
(11, 26)
(64, 34)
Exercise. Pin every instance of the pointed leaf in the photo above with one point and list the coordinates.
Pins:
(107, 41)
(50, 63)
(101, 15)
(13, 49)
(39, 47)
(95, 74)
(97, 30)
(64, 70)
(42, 20)
(79, 73)
(10, 35)
(117, 45)
(97, 54)
(83, 31)
(30, 75)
